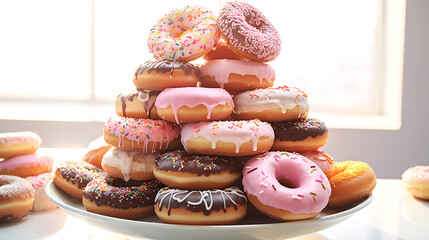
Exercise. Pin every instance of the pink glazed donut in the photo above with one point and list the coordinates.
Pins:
(286, 186)
(321, 159)
(26, 165)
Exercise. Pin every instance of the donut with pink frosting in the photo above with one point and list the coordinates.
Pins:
(248, 32)
(39, 182)
(194, 104)
(14, 144)
(321, 159)
(227, 138)
(286, 186)
(416, 181)
(26, 165)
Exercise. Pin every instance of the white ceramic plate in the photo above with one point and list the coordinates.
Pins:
(249, 228)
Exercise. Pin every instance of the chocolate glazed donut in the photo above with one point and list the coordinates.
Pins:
(167, 66)
(138, 104)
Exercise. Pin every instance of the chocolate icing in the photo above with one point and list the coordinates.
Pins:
(182, 161)
(79, 172)
(167, 66)
(200, 201)
(299, 130)
(148, 98)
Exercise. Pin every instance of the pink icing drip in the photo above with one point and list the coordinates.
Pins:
(25, 161)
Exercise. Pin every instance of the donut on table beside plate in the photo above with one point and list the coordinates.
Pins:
(248, 32)
(297, 136)
(227, 138)
(285, 186)
(207, 207)
(194, 104)
(127, 165)
(26, 165)
(14, 144)
(144, 135)
(116, 198)
(236, 76)
(95, 152)
(222, 51)
(73, 176)
(185, 34)
(39, 182)
(416, 180)
(16, 198)
(138, 104)
(159, 75)
(271, 104)
(351, 181)
(179, 169)
(321, 159)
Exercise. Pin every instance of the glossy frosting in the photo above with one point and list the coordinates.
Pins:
(311, 190)
(78, 172)
(26, 161)
(416, 174)
(299, 130)
(321, 159)
(167, 67)
(147, 97)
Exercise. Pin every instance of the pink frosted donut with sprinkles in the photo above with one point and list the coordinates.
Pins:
(286, 186)
(321, 159)
(248, 32)
(184, 35)
(144, 135)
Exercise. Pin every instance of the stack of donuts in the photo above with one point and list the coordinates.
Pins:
(24, 174)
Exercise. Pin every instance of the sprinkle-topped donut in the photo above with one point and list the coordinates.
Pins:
(321, 159)
(185, 34)
(248, 32)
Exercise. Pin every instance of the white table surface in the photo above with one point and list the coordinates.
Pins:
(393, 214)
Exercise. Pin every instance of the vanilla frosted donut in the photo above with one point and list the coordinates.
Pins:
(18, 143)
(194, 104)
(235, 75)
(271, 104)
(16, 198)
(39, 182)
(286, 186)
(227, 138)
(26, 165)
(321, 159)
(138, 104)
(144, 135)
(184, 34)
(128, 165)
(416, 180)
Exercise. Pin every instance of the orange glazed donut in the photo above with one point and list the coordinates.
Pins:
(128, 165)
(26, 165)
(222, 51)
(179, 169)
(350, 182)
(159, 75)
(138, 104)
(95, 152)
(18, 143)
(194, 104)
(205, 207)
(321, 159)
(297, 136)
(16, 198)
(145, 135)
(271, 104)
(416, 180)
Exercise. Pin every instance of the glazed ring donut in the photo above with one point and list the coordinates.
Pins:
(144, 135)
(416, 180)
(39, 182)
(138, 104)
(227, 138)
(18, 143)
(116, 198)
(206, 207)
(222, 51)
(248, 32)
(185, 34)
(16, 198)
(128, 165)
(26, 165)
(236, 76)
(350, 182)
(297, 136)
(159, 75)
(321, 159)
(271, 104)
(73, 176)
(95, 152)
(194, 104)
(179, 169)
(285, 186)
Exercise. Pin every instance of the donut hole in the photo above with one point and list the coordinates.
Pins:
(286, 182)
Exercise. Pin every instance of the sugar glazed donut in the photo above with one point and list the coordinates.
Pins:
(18, 143)
(303, 135)
(179, 169)
(138, 104)
(285, 186)
(222, 51)
(416, 180)
(128, 165)
(39, 182)
(206, 207)
(236, 76)
(227, 138)
(194, 104)
(248, 32)
(73, 176)
(321, 159)
(116, 198)
(271, 104)
(144, 135)
(185, 34)
(16, 198)
(351, 181)
(159, 75)
(26, 165)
